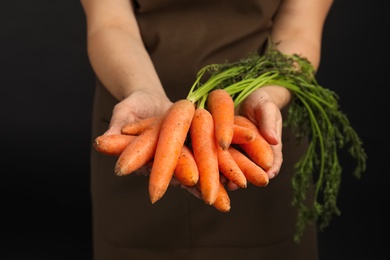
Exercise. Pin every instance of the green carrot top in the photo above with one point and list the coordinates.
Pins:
(314, 113)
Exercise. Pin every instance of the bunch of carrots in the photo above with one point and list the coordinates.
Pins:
(195, 145)
(200, 138)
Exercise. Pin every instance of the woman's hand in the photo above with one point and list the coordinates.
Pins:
(138, 105)
(263, 107)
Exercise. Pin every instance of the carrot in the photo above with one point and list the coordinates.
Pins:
(137, 127)
(186, 171)
(221, 106)
(112, 144)
(139, 151)
(173, 134)
(259, 150)
(242, 134)
(205, 152)
(253, 173)
(222, 202)
(229, 168)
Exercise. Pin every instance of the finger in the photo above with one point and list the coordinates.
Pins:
(175, 182)
(263, 108)
(269, 121)
(121, 116)
(278, 160)
(194, 191)
(114, 129)
(232, 186)
(146, 169)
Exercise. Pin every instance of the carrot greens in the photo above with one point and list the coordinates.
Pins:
(314, 112)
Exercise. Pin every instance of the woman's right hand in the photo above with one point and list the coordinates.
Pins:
(138, 105)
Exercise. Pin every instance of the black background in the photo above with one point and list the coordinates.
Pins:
(45, 111)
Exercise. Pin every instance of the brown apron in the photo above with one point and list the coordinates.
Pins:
(182, 36)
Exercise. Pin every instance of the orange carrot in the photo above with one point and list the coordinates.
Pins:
(112, 144)
(139, 151)
(253, 173)
(229, 168)
(137, 127)
(205, 152)
(259, 150)
(242, 135)
(222, 202)
(221, 106)
(173, 133)
(186, 171)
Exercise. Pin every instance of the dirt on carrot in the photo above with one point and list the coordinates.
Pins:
(242, 135)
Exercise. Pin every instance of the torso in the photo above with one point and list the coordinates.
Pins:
(184, 35)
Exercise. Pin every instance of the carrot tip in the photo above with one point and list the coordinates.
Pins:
(155, 195)
(222, 205)
(224, 145)
(154, 200)
(208, 202)
(118, 172)
(224, 210)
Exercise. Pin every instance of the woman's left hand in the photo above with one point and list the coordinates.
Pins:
(263, 107)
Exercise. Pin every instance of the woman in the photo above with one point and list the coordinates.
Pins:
(146, 55)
